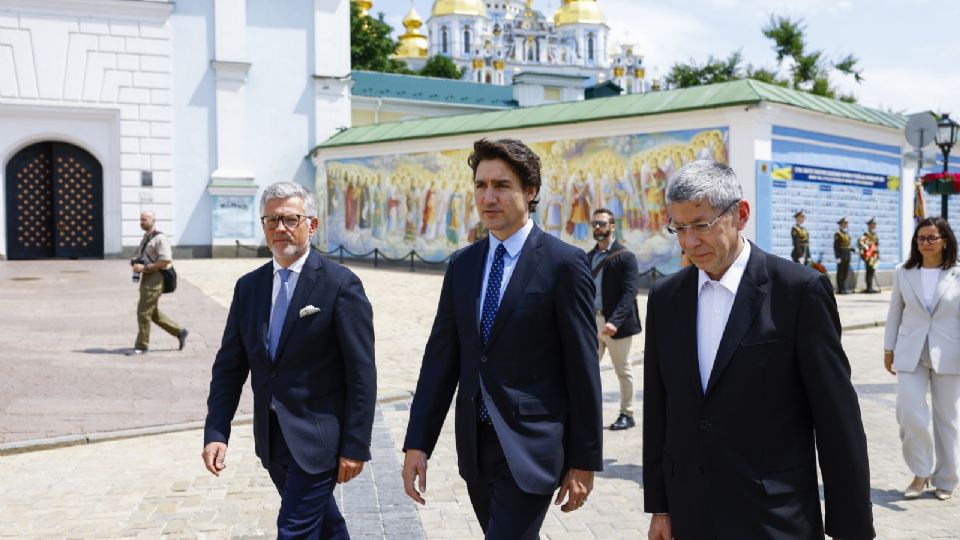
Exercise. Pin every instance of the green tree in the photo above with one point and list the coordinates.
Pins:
(443, 67)
(715, 70)
(807, 70)
(371, 44)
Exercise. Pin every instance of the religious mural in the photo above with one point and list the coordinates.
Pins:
(424, 201)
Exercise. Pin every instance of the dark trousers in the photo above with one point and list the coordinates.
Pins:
(871, 272)
(843, 270)
(308, 509)
(505, 512)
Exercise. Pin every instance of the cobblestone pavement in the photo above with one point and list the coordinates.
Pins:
(59, 336)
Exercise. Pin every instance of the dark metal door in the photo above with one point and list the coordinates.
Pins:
(54, 197)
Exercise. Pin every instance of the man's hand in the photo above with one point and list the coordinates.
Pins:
(213, 455)
(576, 486)
(608, 330)
(138, 268)
(660, 527)
(349, 469)
(414, 467)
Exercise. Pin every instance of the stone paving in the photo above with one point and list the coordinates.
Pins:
(155, 486)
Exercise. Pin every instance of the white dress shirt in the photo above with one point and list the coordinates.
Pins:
(714, 302)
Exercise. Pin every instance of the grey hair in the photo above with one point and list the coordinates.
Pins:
(705, 179)
(289, 190)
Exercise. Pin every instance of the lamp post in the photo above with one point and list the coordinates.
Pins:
(947, 131)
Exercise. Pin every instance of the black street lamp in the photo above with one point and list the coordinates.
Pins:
(947, 131)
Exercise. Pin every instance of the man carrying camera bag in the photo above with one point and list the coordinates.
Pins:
(154, 255)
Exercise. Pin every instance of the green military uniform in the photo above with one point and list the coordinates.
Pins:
(801, 242)
(153, 249)
(841, 250)
(869, 245)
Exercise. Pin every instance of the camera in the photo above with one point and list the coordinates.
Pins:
(136, 275)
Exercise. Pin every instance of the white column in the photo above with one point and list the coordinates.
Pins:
(230, 69)
(332, 68)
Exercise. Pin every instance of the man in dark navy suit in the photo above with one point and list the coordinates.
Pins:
(515, 332)
(303, 329)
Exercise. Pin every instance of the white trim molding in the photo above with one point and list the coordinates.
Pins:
(111, 9)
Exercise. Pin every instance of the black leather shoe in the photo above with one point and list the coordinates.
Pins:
(623, 422)
(182, 337)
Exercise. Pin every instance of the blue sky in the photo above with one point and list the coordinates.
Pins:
(909, 50)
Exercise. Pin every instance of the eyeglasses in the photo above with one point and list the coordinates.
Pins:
(600, 223)
(290, 221)
(928, 239)
(700, 228)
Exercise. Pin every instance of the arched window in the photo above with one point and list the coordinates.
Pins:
(590, 47)
(443, 40)
(466, 40)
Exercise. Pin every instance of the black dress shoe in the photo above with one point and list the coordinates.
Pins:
(182, 337)
(623, 422)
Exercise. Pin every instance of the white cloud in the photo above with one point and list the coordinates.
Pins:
(908, 89)
(664, 35)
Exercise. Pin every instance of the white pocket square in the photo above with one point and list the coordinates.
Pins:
(308, 311)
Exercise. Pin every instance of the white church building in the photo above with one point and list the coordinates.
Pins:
(112, 107)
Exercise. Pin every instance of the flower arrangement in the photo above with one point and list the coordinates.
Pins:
(942, 183)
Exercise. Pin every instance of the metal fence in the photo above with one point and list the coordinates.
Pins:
(340, 253)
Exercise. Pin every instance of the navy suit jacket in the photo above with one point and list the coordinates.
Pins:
(739, 460)
(323, 383)
(539, 367)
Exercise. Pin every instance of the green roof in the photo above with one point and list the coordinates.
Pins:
(431, 89)
(743, 92)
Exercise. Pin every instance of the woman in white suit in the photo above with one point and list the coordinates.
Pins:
(922, 348)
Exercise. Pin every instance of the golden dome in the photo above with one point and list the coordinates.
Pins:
(579, 12)
(365, 6)
(412, 44)
(459, 7)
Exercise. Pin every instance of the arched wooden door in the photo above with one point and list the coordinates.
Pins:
(54, 194)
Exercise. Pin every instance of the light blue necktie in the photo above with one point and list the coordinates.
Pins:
(491, 301)
(280, 306)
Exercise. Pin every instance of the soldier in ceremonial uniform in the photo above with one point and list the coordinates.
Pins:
(869, 245)
(841, 250)
(801, 240)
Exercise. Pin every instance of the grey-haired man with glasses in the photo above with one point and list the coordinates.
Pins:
(746, 384)
(302, 328)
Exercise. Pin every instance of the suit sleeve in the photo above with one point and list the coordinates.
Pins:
(654, 419)
(894, 314)
(630, 273)
(439, 374)
(230, 369)
(841, 441)
(354, 327)
(836, 245)
(578, 336)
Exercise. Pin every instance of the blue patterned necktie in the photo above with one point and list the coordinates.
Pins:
(491, 301)
(280, 306)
